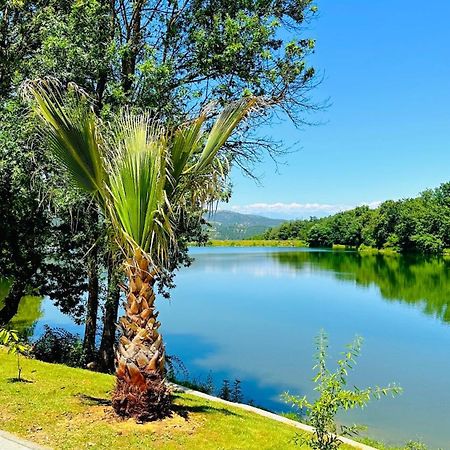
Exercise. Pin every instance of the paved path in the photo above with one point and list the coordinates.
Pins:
(10, 442)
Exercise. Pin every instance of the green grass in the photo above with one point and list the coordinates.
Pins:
(343, 247)
(257, 243)
(377, 251)
(68, 408)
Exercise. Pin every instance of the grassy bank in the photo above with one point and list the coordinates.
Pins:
(68, 408)
(256, 243)
(377, 251)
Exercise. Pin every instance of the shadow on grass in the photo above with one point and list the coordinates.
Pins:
(89, 400)
(18, 380)
(184, 410)
(181, 410)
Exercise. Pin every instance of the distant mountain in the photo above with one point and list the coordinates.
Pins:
(233, 225)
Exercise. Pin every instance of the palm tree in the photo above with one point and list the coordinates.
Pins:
(143, 176)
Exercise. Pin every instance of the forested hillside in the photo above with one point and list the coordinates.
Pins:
(413, 224)
(231, 225)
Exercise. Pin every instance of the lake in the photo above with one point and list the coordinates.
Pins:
(253, 314)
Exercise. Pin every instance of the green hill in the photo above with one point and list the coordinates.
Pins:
(232, 225)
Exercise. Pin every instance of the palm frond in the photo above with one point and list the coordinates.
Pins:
(71, 132)
(185, 143)
(144, 176)
(138, 205)
(226, 123)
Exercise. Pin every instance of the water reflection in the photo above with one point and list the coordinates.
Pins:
(414, 279)
(28, 313)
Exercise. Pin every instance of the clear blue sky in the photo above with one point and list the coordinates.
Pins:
(386, 134)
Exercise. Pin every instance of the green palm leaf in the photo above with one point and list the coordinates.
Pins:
(138, 204)
(143, 176)
(71, 132)
(226, 123)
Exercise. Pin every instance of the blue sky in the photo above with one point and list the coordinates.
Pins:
(386, 135)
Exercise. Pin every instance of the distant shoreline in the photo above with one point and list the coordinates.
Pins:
(297, 243)
(256, 243)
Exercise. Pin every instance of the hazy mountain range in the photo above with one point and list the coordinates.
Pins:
(233, 225)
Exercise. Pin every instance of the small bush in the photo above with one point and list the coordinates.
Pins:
(427, 243)
(59, 346)
(334, 396)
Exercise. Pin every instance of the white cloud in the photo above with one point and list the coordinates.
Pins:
(294, 210)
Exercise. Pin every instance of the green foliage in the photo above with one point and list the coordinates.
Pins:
(58, 346)
(141, 174)
(12, 341)
(256, 243)
(172, 60)
(419, 224)
(236, 392)
(333, 396)
(415, 445)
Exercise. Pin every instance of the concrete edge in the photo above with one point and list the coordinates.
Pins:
(19, 441)
(267, 414)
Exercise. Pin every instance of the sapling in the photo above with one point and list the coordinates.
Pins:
(11, 340)
(334, 396)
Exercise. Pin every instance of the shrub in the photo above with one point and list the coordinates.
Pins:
(59, 346)
(427, 243)
(333, 397)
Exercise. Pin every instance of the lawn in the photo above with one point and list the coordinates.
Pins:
(68, 408)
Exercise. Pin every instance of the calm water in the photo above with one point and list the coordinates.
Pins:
(253, 314)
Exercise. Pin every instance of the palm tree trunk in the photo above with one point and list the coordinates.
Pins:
(140, 390)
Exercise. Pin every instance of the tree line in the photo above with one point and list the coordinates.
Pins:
(420, 224)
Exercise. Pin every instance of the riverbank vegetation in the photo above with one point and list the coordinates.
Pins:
(64, 407)
(257, 243)
(420, 224)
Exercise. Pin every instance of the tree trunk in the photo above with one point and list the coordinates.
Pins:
(106, 352)
(11, 303)
(141, 391)
(93, 294)
(92, 310)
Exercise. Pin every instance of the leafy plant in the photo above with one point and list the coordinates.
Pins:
(334, 396)
(12, 341)
(415, 445)
(59, 346)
